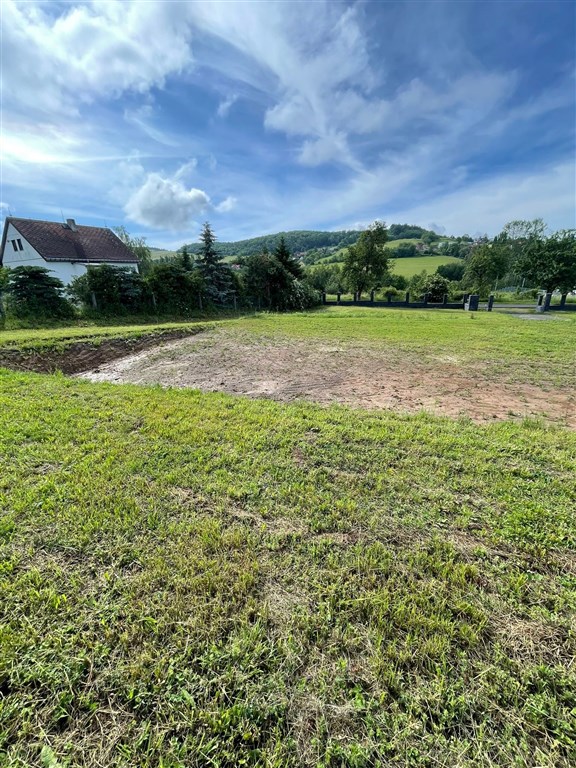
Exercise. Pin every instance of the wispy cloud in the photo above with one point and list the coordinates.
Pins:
(274, 115)
(226, 104)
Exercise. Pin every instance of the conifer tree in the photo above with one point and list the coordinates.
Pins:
(216, 275)
(290, 264)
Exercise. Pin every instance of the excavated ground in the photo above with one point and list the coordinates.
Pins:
(226, 360)
(73, 357)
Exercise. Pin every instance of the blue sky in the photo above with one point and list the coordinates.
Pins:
(288, 115)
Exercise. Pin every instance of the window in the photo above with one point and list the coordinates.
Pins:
(20, 246)
(14, 245)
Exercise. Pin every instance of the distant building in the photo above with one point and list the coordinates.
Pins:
(67, 250)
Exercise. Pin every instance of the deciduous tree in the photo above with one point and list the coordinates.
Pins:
(366, 262)
(551, 263)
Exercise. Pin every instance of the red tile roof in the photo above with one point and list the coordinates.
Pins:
(57, 242)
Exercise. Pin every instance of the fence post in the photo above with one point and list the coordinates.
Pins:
(94, 302)
(490, 302)
(562, 301)
(547, 301)
(425, 299)
(154, 302)
(372, 296)
(323, 297)
(407, 298)
(338, 297)
(472, 303)
(444, 299)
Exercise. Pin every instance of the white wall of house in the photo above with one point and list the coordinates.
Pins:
(29, 257)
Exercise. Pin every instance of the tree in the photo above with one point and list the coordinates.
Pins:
(33, 291)
(290, 264)
(216, 276)
(175, 288)
(551, 263)
(138, 247)
(116, 289)
(436, 287)
(453, 271)
(485, 265)
(366, 262)
(430, 237)
(186, 260)
(325, 277)
(264, 278)
(405, 251)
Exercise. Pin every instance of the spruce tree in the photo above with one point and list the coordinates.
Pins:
(290, 264)
(33, 291)
(216, 275)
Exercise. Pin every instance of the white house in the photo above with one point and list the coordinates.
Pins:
(67, 250)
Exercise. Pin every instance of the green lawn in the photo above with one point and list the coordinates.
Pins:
(194, 579)
(486, 336)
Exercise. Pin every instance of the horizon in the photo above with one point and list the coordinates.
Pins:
(262, 119)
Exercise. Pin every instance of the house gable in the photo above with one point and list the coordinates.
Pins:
(65, 249)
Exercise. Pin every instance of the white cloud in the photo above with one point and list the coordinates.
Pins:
(226, 104)
(143, 118)
(308, 62)
(328, 148)
(165, 203)
(96, 49)
(228, 204)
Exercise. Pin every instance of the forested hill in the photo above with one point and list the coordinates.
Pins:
(299, 241)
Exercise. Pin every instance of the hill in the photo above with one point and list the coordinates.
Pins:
(304, 241)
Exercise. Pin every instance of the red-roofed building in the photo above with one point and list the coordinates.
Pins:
(67, 250)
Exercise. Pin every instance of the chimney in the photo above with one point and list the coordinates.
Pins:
(72, 225)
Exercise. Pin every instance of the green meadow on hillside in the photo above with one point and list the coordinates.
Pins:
(413, 266)
(193, 579)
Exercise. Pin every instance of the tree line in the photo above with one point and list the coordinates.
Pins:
(276, 280)
(180, 286)
(525, 252)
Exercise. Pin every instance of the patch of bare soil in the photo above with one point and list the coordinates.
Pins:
(357, 375)
(82, 355)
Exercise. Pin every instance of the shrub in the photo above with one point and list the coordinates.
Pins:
(116, 289)
(175, 287)
(32, 291)
(452, 271)
(436, 287)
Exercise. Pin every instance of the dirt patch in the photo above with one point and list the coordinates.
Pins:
(357, 375)
(78, 356)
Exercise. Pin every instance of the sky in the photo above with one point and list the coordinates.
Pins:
(268, 116)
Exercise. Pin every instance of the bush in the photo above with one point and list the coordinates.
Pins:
(394, 293)
(175, 288)
(436, 287)
(32, 291)
(116, 290)
(453, 271)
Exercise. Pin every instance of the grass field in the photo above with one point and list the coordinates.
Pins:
(413, 266)
(194, 579)
(408, 267)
